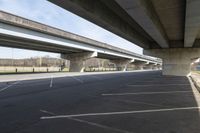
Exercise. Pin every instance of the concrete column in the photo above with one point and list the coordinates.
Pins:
(176, 61)
(139, 65)
(158, 66)
(77, 60)
(150, 66)
(121, 64)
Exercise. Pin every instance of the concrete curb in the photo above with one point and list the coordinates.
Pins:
(196, 82)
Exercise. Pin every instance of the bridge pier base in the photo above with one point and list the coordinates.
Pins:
(121, 64)
(150, 66)
(156, 67)
(176, 61)
(139, 65)
(77, 60)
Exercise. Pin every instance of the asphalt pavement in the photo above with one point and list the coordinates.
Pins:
(133, 102)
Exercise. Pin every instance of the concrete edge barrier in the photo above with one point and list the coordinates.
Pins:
(195, 82)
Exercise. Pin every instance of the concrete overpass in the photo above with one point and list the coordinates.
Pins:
(169, 29)
(19, 32)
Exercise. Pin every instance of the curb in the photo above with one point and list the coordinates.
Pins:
(196, 83)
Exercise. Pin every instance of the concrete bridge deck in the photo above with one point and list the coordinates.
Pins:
(22, 33)
(167, 29)
(142, 102)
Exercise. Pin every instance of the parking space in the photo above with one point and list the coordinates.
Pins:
(144, 102)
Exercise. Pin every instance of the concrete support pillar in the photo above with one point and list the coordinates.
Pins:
(121, 64)
(158, 67)
(77, 60)
(139, 65)
(176, 61)
(150, 66)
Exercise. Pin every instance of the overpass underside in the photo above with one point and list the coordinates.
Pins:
(19, 32)
(168, 29)
(78, 60)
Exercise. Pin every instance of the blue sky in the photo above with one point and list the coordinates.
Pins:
(45, 12)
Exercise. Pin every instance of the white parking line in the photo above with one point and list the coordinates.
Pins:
(3, 89)
(129, 101)
(89, 123)
(77, 79)
(160, 85)
(146, 93)
(51, 83)
(99, 125)
(95, 77)
(121, 113)
(47, 112)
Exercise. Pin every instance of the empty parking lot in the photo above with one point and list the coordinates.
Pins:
(131, 102)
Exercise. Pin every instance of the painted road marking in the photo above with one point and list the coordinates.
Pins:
(89, 123)
(95, 77)
(99, 125)
(129, 101)
(161, 85)
(51, 83)
(146, 93)
(120, 113)
(3, 89)
(77, 79)
(47, 112)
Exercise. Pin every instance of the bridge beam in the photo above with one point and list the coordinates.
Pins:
(109, 15)
(77, 60)
(143, 13)
(192, 22)
(176, 61)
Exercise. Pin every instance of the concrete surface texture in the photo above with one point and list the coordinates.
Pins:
(142, 102)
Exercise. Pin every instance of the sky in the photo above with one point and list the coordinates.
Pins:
(47, 13)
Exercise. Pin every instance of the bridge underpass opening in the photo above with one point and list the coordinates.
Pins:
(30, 61)
(111, 65)
(16, 60)
(195, 65)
